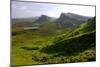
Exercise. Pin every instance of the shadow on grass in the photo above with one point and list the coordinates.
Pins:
(30, 48)
(14, 66)
(72, 45)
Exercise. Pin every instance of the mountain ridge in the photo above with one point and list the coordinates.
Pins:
(67, 20)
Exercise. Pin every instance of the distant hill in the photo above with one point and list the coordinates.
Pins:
(23, 22)
(76, 16)
(67, 20)
(29, 19)
(43, 19)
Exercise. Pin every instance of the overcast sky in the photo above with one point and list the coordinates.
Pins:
(32, 9)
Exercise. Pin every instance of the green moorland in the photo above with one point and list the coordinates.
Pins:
(48, 45)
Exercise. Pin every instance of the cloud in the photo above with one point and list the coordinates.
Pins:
(23, 7)
(29, 9)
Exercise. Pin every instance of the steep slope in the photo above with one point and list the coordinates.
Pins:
(88, 26)
(67, 20)
(75, 42)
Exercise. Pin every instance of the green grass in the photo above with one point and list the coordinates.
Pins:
(24, 48)
(37, 47)
(27, 44)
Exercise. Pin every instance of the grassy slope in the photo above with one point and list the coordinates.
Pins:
(77, 41)
(88, 26)
(71, 44)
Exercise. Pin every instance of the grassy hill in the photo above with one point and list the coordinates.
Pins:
(77, 41)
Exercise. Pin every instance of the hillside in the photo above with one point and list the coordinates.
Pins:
(78, 40)
(88, 26)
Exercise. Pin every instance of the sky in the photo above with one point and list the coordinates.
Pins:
(33, 9)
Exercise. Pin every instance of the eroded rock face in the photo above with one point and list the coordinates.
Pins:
(67, 20)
